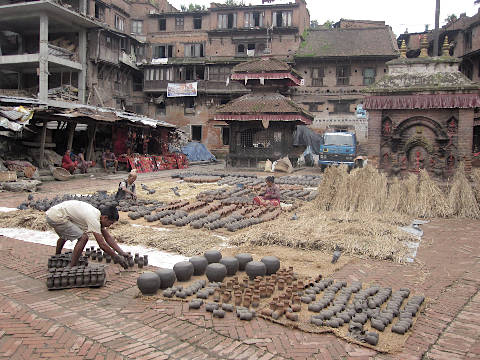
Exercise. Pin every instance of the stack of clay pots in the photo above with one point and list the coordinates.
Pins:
(77, 276)
(63, 260)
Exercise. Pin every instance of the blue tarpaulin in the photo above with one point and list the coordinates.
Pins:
(197, 152)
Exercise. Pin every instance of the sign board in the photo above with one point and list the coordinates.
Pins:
(180, 90)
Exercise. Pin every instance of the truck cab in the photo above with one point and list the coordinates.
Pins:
(338, 148)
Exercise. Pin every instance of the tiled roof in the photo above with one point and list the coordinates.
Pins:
(334, 43)
(263, 103)
(262, 65)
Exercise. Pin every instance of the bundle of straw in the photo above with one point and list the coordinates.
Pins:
(461, 198)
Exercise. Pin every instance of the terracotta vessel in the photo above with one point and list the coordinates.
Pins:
(272, 264)
(183, 270)
(213, 256)
(200, 264)
(167, 277)
(231, 264)
(255, 268)
(243, 259)
(216, 272)
(148, 283)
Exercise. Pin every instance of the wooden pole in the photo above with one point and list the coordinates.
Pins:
(42, 144)
(71, 132)
(92, 128)
(435, 32)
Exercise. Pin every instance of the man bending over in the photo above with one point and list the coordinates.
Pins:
(74, 220)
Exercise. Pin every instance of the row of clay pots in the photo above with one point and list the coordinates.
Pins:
(77, 276)
(149, 282)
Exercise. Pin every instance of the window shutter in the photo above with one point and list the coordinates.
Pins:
(284, 19)
(235, 20)
(274, 18)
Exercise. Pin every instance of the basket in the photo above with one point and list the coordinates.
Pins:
(8, 176)
(61, 174)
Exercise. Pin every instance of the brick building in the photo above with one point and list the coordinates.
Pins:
(337, 65)
(203, 47)
(422, 114)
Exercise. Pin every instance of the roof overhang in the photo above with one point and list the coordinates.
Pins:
(263, 117)
(24, 17)
(269, 75)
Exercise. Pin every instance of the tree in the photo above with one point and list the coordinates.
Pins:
(235, 2)
(193, 7)
(314, 24)
(451, 18)
(328, 24)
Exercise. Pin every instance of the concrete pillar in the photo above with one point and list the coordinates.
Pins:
(82, 75)
(465, 132)
(92, 129)
(83, 7)
(43, 60)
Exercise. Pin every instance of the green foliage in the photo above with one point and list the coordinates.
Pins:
(193, 7)
(329, 24)
(235, 2)
(451, 18)
(314, 24)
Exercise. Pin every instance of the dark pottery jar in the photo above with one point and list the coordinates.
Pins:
(167, 277)
(148, 283)
(135, 259)
(272, 264)
(199, 264)
(79, 278)
(145, 260)
(243, 259)
(216, 272)
(100, 256)
(56, 280)
(255, 268)
(71, 279)
(101, 277)
(64, 280)
(130, 261)
(94, 255)
(213, 256)
(93, 278)
(140, 262)
(50, 281)
(183, 270)
(108, 259)
(231, 263)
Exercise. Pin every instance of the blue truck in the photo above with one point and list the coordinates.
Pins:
(338, 148)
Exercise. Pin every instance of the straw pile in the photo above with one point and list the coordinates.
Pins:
(30, 219)
(185, 241)
(461, 199)
(367, 191)
(366, 234)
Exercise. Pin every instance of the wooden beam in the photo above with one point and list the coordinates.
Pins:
(92, 129)
(42, 144)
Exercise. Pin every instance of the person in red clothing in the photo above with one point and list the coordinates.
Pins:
(271, 196)
(67, 162)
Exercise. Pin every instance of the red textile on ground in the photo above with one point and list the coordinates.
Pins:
(260, 200)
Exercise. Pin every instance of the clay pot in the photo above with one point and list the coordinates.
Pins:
(71, 279)
(56, 280)
(255, 268)
(148, 283)
(183, 270)
(231, 264)
(272, 264)
(200, 264)
(167, 277)
(140, 262)
(216, 272)
(145, 260)
(213, 256)
(243, 259)
(50, 281)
